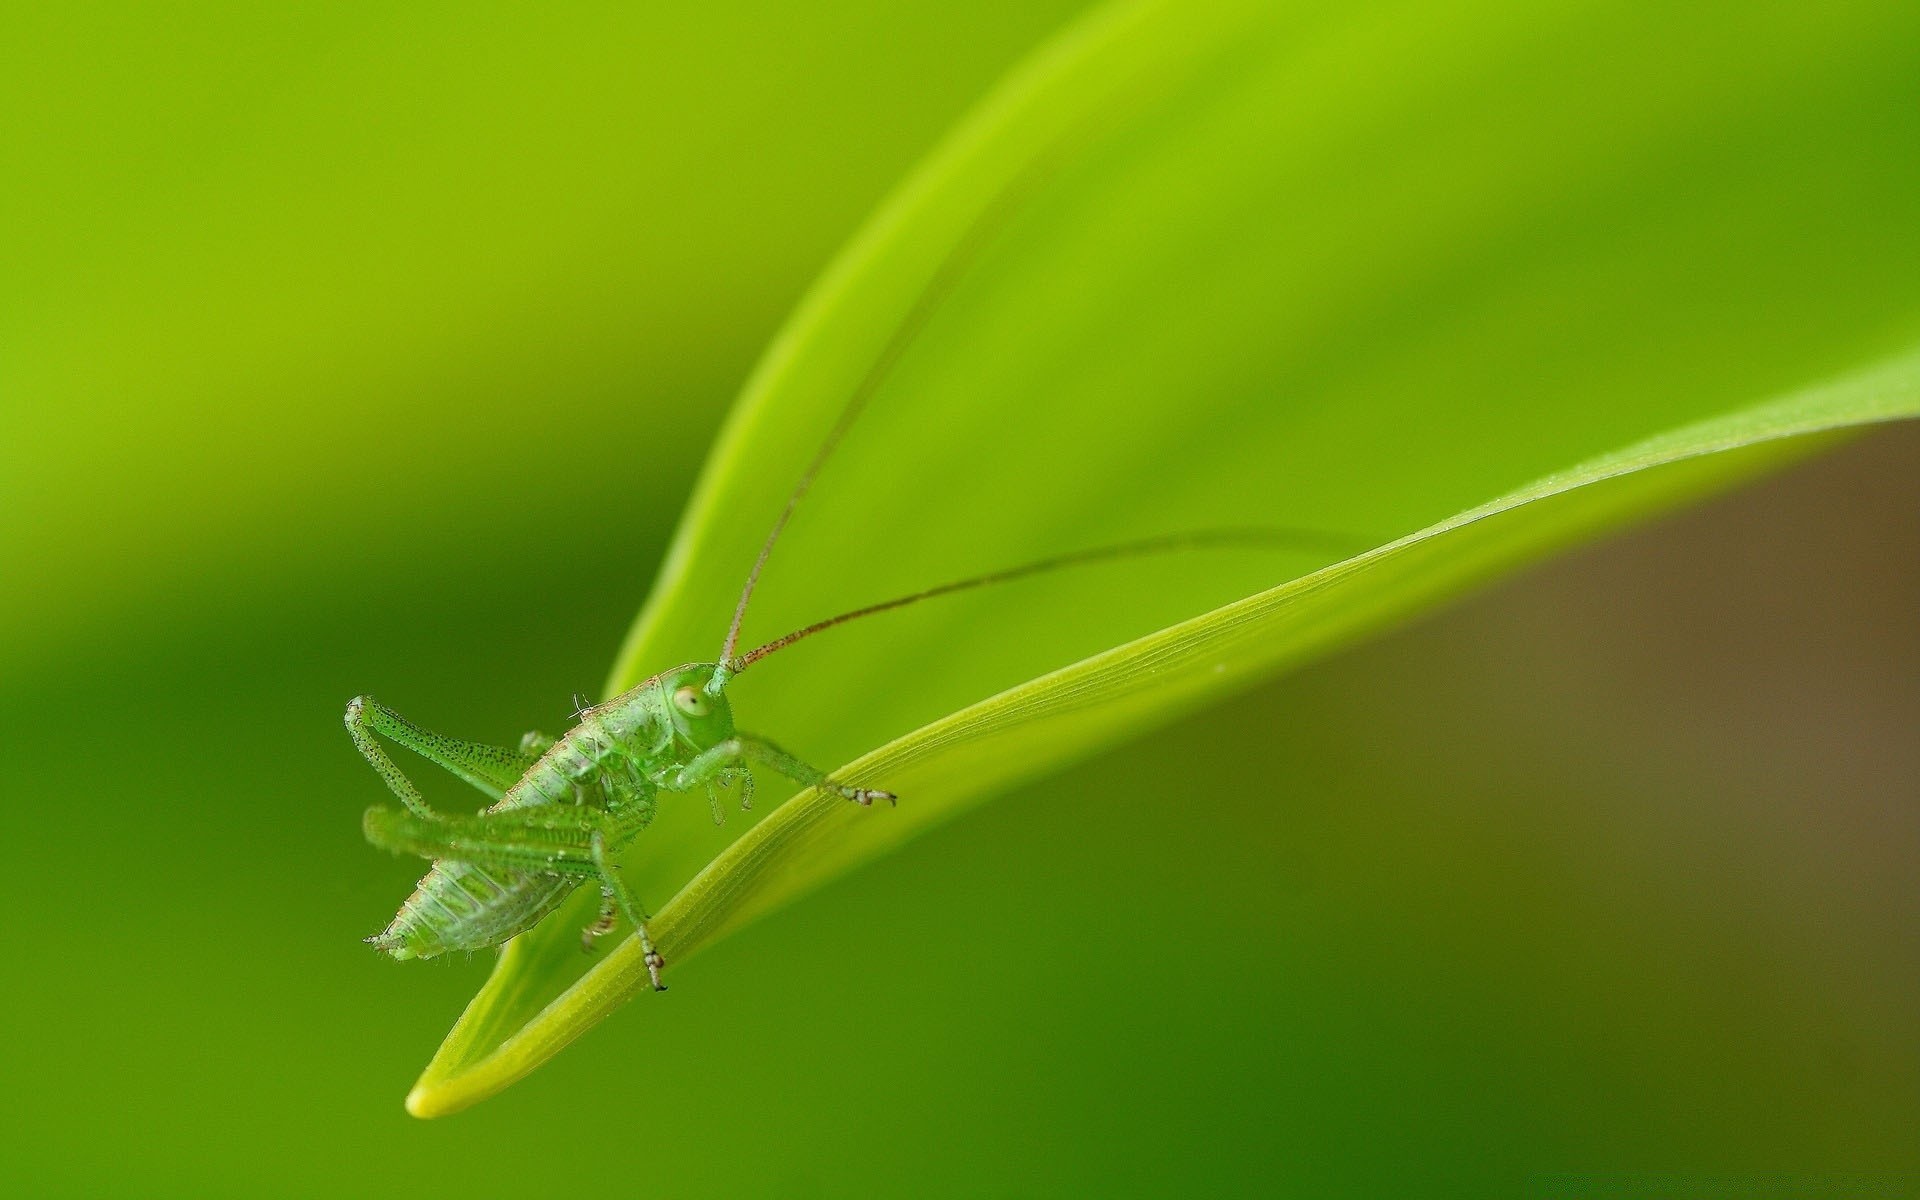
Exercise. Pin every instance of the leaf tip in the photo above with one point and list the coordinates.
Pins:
(421, 1103)
(433, 1098)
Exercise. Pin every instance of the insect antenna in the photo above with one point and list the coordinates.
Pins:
(1267, 537)
(938, 286)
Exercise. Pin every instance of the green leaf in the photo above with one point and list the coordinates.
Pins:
(1217, 264)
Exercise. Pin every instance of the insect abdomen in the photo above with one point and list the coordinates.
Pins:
(458, 906)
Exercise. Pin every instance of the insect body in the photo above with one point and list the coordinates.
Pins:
(562, 808)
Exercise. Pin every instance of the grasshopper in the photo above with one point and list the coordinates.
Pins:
(563, 808)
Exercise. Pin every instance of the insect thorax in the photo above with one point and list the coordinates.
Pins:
(622, 748)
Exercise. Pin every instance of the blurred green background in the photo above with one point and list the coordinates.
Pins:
(324, 330)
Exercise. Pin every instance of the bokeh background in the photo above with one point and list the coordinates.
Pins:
(322, 328)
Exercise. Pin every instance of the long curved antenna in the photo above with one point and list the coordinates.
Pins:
(1269, 537)
(945, 276)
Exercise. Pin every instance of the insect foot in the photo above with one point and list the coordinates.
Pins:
(865, 797)
(654, 964)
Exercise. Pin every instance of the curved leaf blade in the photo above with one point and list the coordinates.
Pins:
(1304, 342)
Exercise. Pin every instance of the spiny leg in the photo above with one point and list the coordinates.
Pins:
(637, 916)
(492, 769)
(755, 749)
(744, 747)
(722, 780)
(726, 778)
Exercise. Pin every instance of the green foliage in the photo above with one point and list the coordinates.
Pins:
(351, 347)
(1370, 273)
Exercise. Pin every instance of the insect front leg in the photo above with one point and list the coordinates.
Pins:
(612, 885)
(745, 748)
(492, 769)
(724, 779)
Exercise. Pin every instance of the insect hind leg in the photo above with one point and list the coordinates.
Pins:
(492, 769)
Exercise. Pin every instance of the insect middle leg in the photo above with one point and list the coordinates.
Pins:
(602, 924)
(612, 885)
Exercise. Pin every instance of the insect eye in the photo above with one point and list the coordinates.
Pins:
(690, 701)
